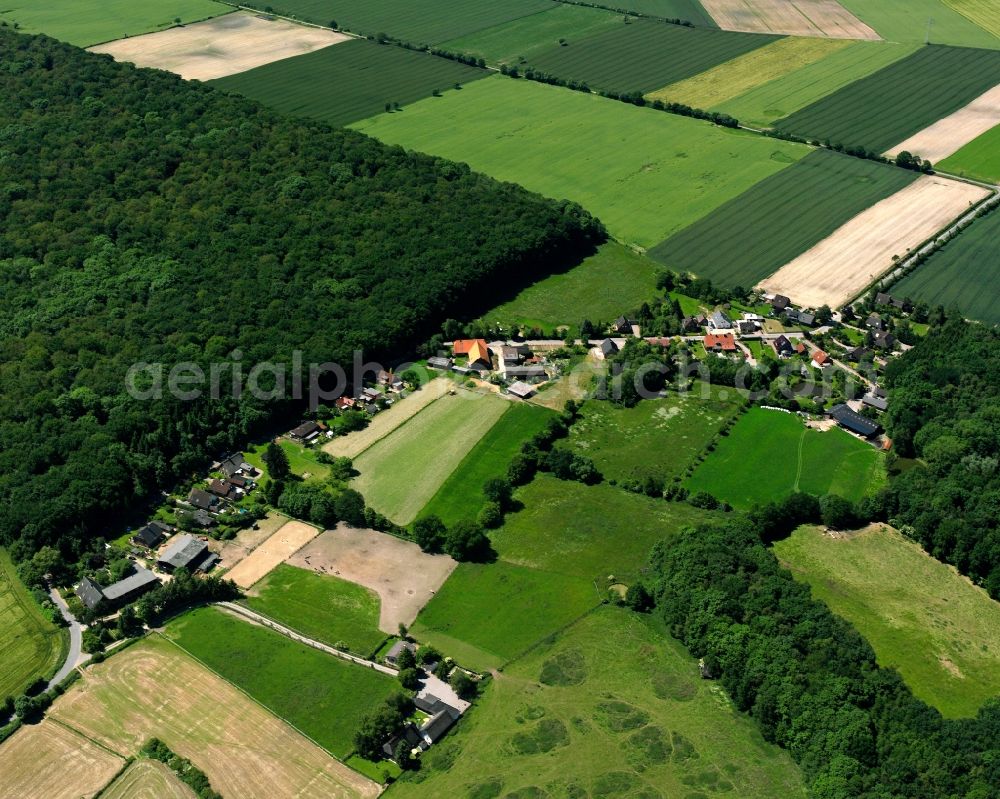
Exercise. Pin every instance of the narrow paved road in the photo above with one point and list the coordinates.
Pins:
(75, 655)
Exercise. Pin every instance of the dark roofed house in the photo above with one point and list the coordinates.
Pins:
(608, 348)
(151, 535)
(878, 391)
(622, 325)
(690, 324)
(527, 372)
(222, 488)
(393, 654)
(901, 305)
(202, 518)
(806, 318)
(859, 354)
(883, 299)
(202, 499)
(875, 322)
(791, 314)
(719, 321)
(746, 327)
(410, 734)
(782, 346)
(240, 481)
(854, 422)
(132, 587)
(237, 464)
(306, 431)
(873, 401)
(186, 552)
(885, 341)
(90, 593)
(439, 363)
(779, 303)
(437, 725)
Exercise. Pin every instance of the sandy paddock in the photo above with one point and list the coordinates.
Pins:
(947, 136)
(236, 549)
(221, 46)
(796, 17)
(404, 577)
(841, 265)
(281, 545)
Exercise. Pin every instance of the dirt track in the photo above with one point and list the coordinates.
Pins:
(797, 17)
(221, 46)
(276, 549)
(841, 265)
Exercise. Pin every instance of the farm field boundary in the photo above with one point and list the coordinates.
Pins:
(826, 18)
(978, 160)
(906, 21)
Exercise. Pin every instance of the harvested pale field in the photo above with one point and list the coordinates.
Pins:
(795, 17)
(222, 46)
(353, 444)
(404, 577)
(147, 779)
(48, 761)
(281, 545)
(233, 551)
(947, 136)
(840, 266)
(154, 689)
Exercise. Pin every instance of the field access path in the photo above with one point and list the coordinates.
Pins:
(75, 656)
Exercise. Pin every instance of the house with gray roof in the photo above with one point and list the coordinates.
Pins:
(186, 552)
(132, 587)
(90, 593)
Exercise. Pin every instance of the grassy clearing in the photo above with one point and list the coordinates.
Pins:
(589, 532)
(752, 236)
(979, 159)
(891, 105)
(321, 695)
(30, 645)
(646, 174)
(301, 461)
(87, 22)
(460, 496)
(984, 13)
(401, 473)
(782, 96)
(320, 606)
(657, 438)
(963, 273)
(658, 54)
(613, 707)
(906, 21)
(609, 283)
(922, 617)
(748, 71)
(486, 614)
(349, 81)
(147, 779)
(769, 454)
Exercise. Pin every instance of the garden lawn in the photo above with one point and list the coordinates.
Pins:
(349, 81)
(323, 696)
(400, 473)
(769, 454)
(645, 173)
(460, 496)
(301, 461)
(906, 21)
(979, 159)
(612, 707)
(320, 606)
(922, 617)
(87, 22)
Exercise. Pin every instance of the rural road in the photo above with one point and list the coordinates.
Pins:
(75, 640)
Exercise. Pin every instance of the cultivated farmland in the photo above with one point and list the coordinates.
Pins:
(690, 10)
(906, 21)
(222, 46)
(612, 707)
(887, 107)
(795, 17)
(644, 55)
(921, 617)
(985, 13)
(405, 469)
(87, 22)
(321, 695)
(30, 645)
(282, 544)
(770, 454)
(154, 689)
(147, 779)
(979, 159)
(964, 273)
(349, 82)
(840, 266)
(753, 235)
(646, 174)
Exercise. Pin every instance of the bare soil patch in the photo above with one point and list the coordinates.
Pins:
(404, 577)
(796, 17)
(949, 135)
(221, 46)
(840, 266)
(281, 545)
(233, 551)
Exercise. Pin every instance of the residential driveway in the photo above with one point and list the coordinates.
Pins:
(75, 655)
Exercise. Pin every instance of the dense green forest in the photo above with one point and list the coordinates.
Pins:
(143, 218)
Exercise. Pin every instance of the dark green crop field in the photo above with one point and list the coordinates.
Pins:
(753, 235)
(645, 55)
(690, 10)
(886, 108)
(349, 81)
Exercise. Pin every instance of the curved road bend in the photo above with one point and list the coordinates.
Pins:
(75, 656)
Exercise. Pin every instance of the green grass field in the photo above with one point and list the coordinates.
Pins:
(88, 22)
(963, 273)
(590, 532)
(646, 174)
(603, 286)
(644, 56)
(805, 85)
(460, 496)
(613, 707)
(984, 13)
(690, 10)
(320, 606)
(30, 645)
(657, 438)
(979, 159)
(401, 473)
(906, 21)
(323, 696)
(769, 454)
(755, 234)
(349, 81)
(887, 107)
(487, 614)
(301, 461)
(428, 22)
(922, 617)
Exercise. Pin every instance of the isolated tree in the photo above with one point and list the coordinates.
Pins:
(406, 659)
(409, 679)
(429, 533)
(464, 685)
(276, 461)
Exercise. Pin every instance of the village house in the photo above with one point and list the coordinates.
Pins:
(396, 649)
(885, 341)
(690, 324)
(719, 321)
(782, 346)
(876, 402)
(520, 390)
(344, 403)
(201, 499)
(438, 362)
(807, 318)
(223, 489)
(720, 342)
(126, 590)
(187, 552)
(622, 326)
(859, 354)
(875, 322)
(746, 327)
(305, 432)
(820, 359)
(527, 373)
(151, 535)
(608, 348)
(437, 725)
(800, 348)
(410, 735)
(779, 303)
(854, 422)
